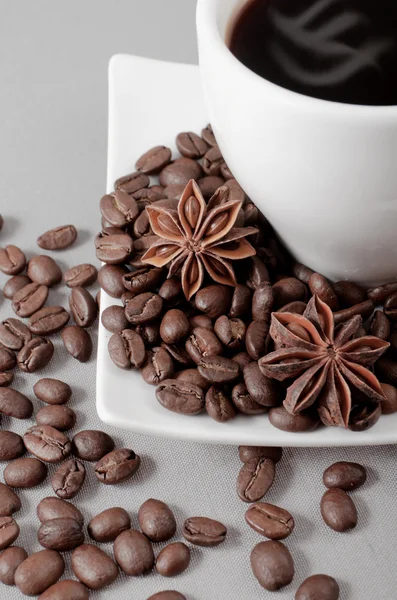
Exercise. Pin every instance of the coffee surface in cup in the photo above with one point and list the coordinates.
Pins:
(339, 50)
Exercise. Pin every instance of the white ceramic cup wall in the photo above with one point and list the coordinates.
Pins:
(324, 173)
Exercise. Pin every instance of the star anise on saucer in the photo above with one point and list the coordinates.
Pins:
(326, 366)
(193, 239)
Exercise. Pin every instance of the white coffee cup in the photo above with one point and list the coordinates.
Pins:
(323, 173)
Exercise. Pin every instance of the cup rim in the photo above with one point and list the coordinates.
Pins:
(206, 14)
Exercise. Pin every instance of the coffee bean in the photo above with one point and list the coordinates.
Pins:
(247, 453)
(25, 473)
(304, 421)
(35, 355)
(218, 369)
(218, 405)
(256, 339)
(288, 290)
(113, 319)
(294, 307)
(54, 508)
(119, 208)
(349, 293)
(251, 215)
(226, 172)
(92, 444)
(127, 350)
(83, 307)
(379, 294)
(255, 479)
(93, 567)
(338, 510)
(173, 559)
(61, 417)
(201, 321)
(364, 309)
(113, 249)
(144, 308)
(180, 172)
(194, 377)
(12, 260)
(202, 531)
(52, 391)
(44, 270)
(153, 160)
(142, 227)
(385, 369)
(363, 416)
(388, 405)
(77, 342)
(132, 182)
(171, 290)
(11, 445)
(262, 389)
(14, 334)
(231, 331)
(143, 280)
(258, 273)
(380, 325)
(133, 553)
(58, 238)
(174, 326)
(156, 520)
(9, 531)
(174, 192)
(110, 278)
(214, 300)
(47, 443)
(39, 571)
(213, 161)
(203, 343)
(6, 378)
(191, 145)
(167, 595)
(244, 403)
(61, 534)
(262, 303)
(209, 185)
(48, 320)
(117, 466)
(241, 301)
(272, 565)
(14, 404)
(10, 560)
(302, 272)
(390, 307)
(9, 501)
(180, 397)
(29, 299)
(242, 359)
(68, 589)
(68, 479)
(208, 135)
(81, 275)
(106, 526)
(14, 284)
(269, 520)
(318, 587)
(7, 359)
(322, 288)
(344, 475)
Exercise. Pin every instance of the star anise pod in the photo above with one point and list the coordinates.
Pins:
(193, 239)
(326, 365)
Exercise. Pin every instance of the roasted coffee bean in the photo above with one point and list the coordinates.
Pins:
(244, 403)
(251, 216)
(133, 553)
(174, 192)
(11, 445)
(242, 359)
(106, 526)
(117, 466)
(25, 473)
(39, 571)
(318, 587)
(83, 307)
(208, 135)
(388, 404)
(194, 377)
(349, 293)
(218, 405)
(81, 275)
(110, 278)
(364, 309)
(218, 369)
(214, 300)
(181, 397)
(338, 510)
(153, 160)
(380, 325)
(213, 161)
(143, 280)
(77, 342)
(119, 208)
(167, 595)
(247, 453)
(98, 299)
(14, 284)
(256, 338)
(9, 501)
(52, 391)
(201, 321)
(142, 227)
(202, 531)
(226, 172)
(241, 301)
(29, 299)
(132, 182)
(44, 270)
(10, 560)
(258, 273)
(14, 404)
(174, 326)
(159, 366)
(93, 567)
(7, 359)
(288, 290)
(127, 350)
(113, 319)
(68, 479)
(209, 184)
(6, 378)
(68, 589)
(47, 443)
(345, 475)
(12, 260)
(156, 520)
(144, 308)
(390, 307)
(262, 389)
(270, 521)
(58, 238)
(294, 307)
(48, 320)
(304, 421)
(191, 145)
(255, 479)
(180, 172)
(54, 508)
(203, 343)
(385, 369)
(322, 288)
(9, 531)
(231, 331)
(60, 417)
(14, 334)
(146, 196)
(363, 416)
(173, 559)
(272, 565)
(262, 303)
(171, 290)
(113, 249)
(178, 354)
(61, 534)
(92, 444)
(35, 355)
(379, 294)
(150, 333)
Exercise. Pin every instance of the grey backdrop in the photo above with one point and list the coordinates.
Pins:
(53, 111)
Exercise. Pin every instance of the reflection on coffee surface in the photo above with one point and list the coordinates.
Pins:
(340, 50)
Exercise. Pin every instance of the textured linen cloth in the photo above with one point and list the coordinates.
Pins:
(52, 155)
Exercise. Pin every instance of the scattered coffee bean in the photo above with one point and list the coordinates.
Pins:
(241, 301)
(213, 161)
(10, 560)
(288, 290)
(364, 416)
(6, 378)
(93, 567)
(302, 272)
(214, 300)
(35, 355)
(54, 508)
(83, 307)
(144, 308)
(119, 208)
(219, 369)
(270, 521)
(294, 307)
(68, 589)
(47, 443)
(113, 249)
(364, 309)
(127, 350)
(194, 377)
(258, 273)
(321, 286)
(9, 531)
(345, 475)
(255, 479)
(39, 571)
(256, 339)
(44, 270)
(14, 404)
(388, 405)
(29, 299)
(12, 260)
(7, 359)
(203, 343)
(14, 284)
(181, 397)
(52, 391)
(173, 192)
(262, 389)
(156, 520)
(61, 417)
(208, 135)
(209, 185)
(11, 445)
(380, 325)
(231, 331)
(110, 278)
(167, 595)
(379, 294)
(154, 160)
(143, 280)
(244, 403)
(61, 534)
(25, 473)
(77, 342)
(106, 526)
(338, 510)
(272, 565)
(218, 405)
(117, 466)
(9, 501)
(174, 326)
(247, 453)
(202, 531)
(132, 182)
(318, 587)
(114, 320)
(14, 334)
(82, 275)
(390, 307)
(304, 421)
(68, 479)
(180, 172)
(173, 559)
(191, 145)
(58, 238)
(349, 293)
(48, 320)
(242, 359)
(92, 445)
(201, 321)
(133, 553)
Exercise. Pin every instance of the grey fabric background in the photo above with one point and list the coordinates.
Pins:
(53, 107)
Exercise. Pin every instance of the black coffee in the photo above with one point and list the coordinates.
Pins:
(340, 50)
